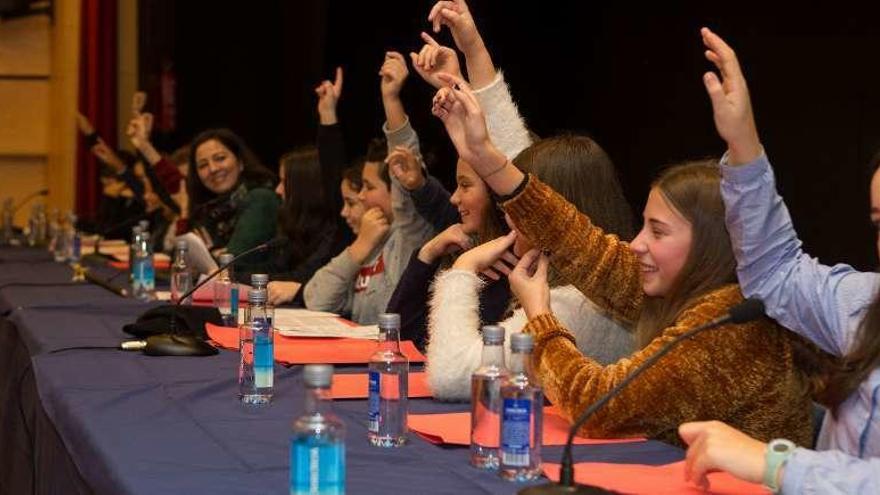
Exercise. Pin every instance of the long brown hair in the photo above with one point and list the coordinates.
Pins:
(693, 190)
(865, 354)
(307, 209)
(582, 172)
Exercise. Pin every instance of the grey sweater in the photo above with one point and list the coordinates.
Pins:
(342, 286)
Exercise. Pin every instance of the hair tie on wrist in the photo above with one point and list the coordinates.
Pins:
(499, 169)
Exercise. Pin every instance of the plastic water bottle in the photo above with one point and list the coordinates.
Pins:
(261, 281)
(388, 386)
(486, 400)
(8, 232)
(522, 413)
(144, 284)
(181, 275)
(42, 225)
(56, 229)
(257, 364)
(59, 245)
(317, 444)
(226, 293)
(73, 240)
(136, 232)
(37, 226)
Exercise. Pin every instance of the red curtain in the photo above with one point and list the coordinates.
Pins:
(97, 95)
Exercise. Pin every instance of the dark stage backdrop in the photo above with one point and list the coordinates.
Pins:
(627, 74)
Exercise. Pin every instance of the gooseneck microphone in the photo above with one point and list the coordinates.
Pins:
(173, 344)
(41, 192)
(748, 310)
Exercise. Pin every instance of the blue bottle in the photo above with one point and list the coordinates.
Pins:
(317, 444)
(144, 283)
(256, 371)
(261, 281)
(522, 413)
(388, 387)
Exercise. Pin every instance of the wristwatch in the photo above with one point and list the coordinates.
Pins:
(776, 456)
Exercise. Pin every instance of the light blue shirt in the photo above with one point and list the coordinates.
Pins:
(825, 304)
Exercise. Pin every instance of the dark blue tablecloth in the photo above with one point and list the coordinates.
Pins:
(142, 425)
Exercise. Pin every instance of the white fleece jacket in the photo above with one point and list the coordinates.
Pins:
(455, 343)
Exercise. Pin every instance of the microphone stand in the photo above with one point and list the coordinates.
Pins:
(174, 344)
(748, 310)
(41, 192)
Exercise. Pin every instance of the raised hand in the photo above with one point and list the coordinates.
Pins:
(138, 101)
(393, 73)
(715, 446)
(447, 242)
(457, 17)
(458, 108)
(528, 282)
(328, 97)
(434, 58)
(731, 105)
(137, 130)
(108, 156)
(493, 259)
(84, 125)
(373, 229)
(404, 164)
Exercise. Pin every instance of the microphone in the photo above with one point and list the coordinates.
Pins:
(41, 192)
(100, 282)
(173, 344)
(748, 310)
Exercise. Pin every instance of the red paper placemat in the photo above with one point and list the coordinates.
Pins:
(654, 480)
(455, 428)
(354, 386)
(308, 350)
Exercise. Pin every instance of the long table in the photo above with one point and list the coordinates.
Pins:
(109, 422)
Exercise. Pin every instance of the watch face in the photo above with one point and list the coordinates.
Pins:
(780, 447)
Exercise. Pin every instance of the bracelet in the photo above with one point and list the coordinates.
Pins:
(516, 192)
(499, 169)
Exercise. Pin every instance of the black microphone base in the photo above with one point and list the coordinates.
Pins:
(556, 489)
(178, 345)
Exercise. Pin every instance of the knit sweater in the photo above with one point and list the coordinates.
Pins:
(455, 343)
(741, 374)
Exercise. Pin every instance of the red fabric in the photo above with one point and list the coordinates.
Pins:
(97, 95)
(169, 175)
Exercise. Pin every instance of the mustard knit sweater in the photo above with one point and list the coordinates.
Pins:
(742, 374)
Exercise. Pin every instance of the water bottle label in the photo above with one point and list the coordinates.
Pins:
(374, 390)
(263, 354)
(317, 467)
(143, 274)
(233, 301)
(77, 247)
(515, 432)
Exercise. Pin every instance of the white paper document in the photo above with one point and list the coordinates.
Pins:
(306, 323)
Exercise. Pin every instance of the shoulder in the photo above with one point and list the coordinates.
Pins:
(262, 195)
(711, 305)
(718, 303)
